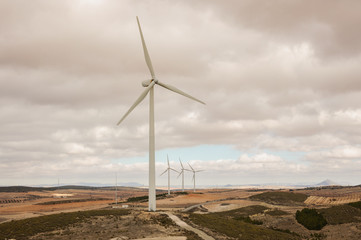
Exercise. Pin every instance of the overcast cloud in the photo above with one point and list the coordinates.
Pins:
(281, 80)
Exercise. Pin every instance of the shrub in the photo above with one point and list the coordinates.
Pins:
(310, 219)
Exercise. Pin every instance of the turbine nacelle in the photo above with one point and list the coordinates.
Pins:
(146, 83)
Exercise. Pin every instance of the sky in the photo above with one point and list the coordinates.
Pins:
(280, 79)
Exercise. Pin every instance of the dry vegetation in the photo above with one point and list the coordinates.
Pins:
(223, 214)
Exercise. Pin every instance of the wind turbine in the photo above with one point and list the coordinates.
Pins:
(149, 84)
(182, 172)
(168, 170)
(194, 177)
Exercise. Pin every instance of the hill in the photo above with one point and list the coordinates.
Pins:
(327, 182)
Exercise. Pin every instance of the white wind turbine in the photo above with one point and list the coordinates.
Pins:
(182, 173)
(149, 84)
(168, 170)
(194, 177)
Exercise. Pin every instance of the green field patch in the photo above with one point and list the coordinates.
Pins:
(23, 229)
(282, 198)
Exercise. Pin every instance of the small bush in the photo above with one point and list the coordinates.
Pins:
(310, 219)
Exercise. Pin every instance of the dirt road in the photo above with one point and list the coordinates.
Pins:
(189, 228)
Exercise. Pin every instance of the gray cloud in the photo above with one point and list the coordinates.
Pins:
(281, 77)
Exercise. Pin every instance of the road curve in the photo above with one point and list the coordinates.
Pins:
(189, 228)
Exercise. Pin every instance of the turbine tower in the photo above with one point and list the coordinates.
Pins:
(194, 177)
(168, 170)
(149, 85)
(182, 172)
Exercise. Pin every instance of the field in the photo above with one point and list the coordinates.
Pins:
(87, 213)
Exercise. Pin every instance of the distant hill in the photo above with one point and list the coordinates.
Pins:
(29, 189)
(327, 182)
(21, 189)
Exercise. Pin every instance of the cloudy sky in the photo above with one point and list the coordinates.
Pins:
(281, 82)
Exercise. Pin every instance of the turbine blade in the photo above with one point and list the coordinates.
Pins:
(191, 167)
(176, 90)
(180, 173)
(146, 54)
(174, 170)
(168, 161)
(164, 172)
(140, 98)
(181, 163)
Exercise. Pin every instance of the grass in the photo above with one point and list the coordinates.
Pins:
(23, 229)
(237, 224)
(283, 198)
(341, 214)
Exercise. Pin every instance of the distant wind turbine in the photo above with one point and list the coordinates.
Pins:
(194, 177)
(182, 173)
(149, 84)
(168, 170)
